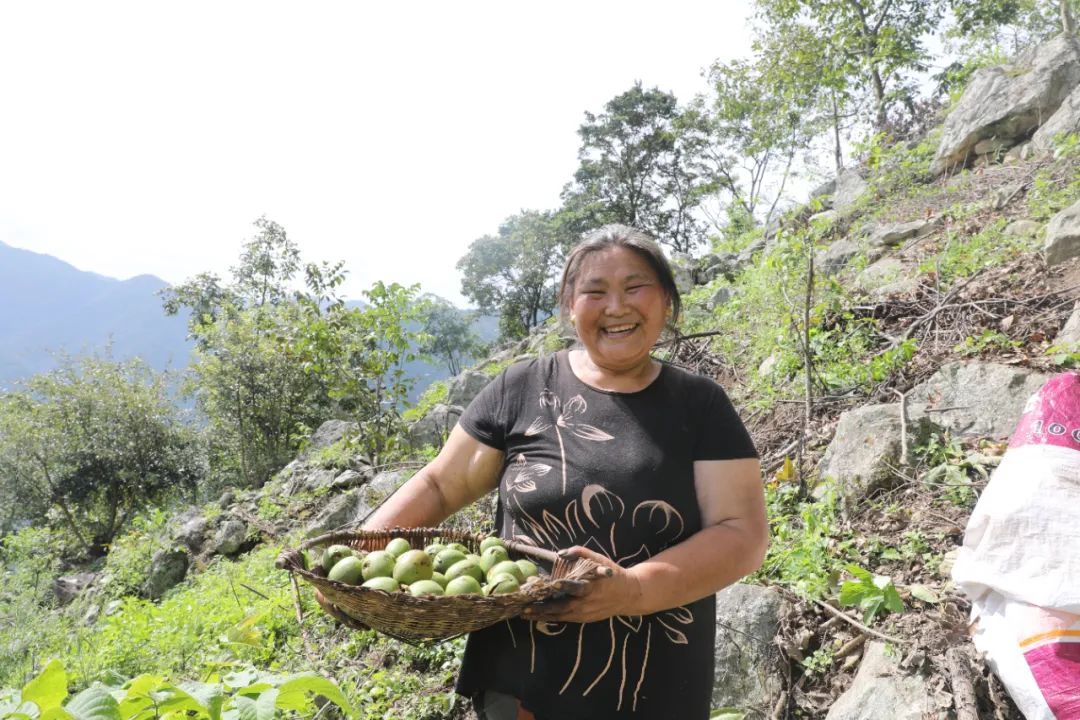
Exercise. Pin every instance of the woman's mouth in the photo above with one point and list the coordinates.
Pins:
(617, 331)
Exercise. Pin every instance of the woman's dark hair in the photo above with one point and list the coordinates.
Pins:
(623, 236)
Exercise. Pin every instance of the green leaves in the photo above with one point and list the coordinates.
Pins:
(240, 696)
(871, 593)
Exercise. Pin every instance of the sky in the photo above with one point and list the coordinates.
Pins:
(146, 137)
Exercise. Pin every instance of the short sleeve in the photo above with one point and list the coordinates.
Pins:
(722, 435)
(485, 419)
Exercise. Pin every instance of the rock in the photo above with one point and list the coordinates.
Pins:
(884, 271)
(720, 297)
(1004, 195)
(92, 614)
(826, 217)
(849, 186)
(1070, 334)
(892, 234)
(227, 498)
(329, 433)
(435, 427)
(682, 266)
(746, 255)
(68, 587)
(348, 479)
(113, 606)
(825, 189)
(977, 398)
(748, 670)
(340, 512)
(836, 257)
(864, 451)
(1023, 228)
(1063, 236)
(883, 691)
(193, 533)
(466, 386)
(380, 488)
(991, 146)
(1009, 102)
(1063, 122)
(167, 569)
(229, 539)
(766, 367)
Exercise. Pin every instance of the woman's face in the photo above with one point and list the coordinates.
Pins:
(618, 308)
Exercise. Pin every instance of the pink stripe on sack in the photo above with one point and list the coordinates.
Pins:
(1056, 668)
(1052, 415)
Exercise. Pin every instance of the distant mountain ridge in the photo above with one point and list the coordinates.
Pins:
(49, 307)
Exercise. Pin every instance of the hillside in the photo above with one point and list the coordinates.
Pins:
(881, 341)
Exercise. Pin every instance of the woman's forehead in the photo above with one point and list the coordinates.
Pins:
(615, 263)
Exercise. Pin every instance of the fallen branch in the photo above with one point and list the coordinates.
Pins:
(963, 690)
(903, 428)
(855, 623)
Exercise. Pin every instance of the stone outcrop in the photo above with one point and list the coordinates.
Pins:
(892, 234)
(466, 386)
(882, 690)
(68, 587)
(850, 186)
(865, 451)
(1005, 104)
(1063, 236)
(835, 258)
(435, 427)
(1070, 333)
(974, 398)
(167, 569)
(749, 669)
(1065, 121)
(229, 540)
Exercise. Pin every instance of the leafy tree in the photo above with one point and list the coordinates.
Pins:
(97, 440)
(1009, 25)
(634, 169)
(513, 273)
(448, 333)
(879, 41)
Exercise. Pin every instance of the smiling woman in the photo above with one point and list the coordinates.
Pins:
(605, 453)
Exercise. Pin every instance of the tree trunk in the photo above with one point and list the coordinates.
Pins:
(1068, 22)
(837, 150)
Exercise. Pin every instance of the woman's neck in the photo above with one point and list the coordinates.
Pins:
(626, 380)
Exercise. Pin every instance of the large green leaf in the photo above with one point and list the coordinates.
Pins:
(263, 707)
(94, 703)
(292, 695)
(49, 689)
(136, 700)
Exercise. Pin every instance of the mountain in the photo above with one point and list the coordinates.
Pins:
(48, 307)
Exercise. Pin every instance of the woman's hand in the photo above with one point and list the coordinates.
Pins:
(598, 599)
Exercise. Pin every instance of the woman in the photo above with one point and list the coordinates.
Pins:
(605, 453)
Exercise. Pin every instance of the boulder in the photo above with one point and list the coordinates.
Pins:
(824, 190)
(879, 274)
(1063, 236)
(1007, 103)
(68, 587)
(883, 691)
(1023, 228)
(329, 433)
(835, 258)
(340, 512)
(229, 539)
(865, 451)
(825, 217)
(749, 670)
(435, 427)
(1070, 334)
(380, 488)
(892, 234)
(746, 255)
(348, 479)
(192, 534)
(849, 187)
(466, 386)
(974, 398)
(682, 266)
(167, 569)
(720, 296)
(1064, 122)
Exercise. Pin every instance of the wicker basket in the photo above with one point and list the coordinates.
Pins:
(405, 617)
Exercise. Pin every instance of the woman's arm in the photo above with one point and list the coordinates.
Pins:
(464, 471)
(730, 545)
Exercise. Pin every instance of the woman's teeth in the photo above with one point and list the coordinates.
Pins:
(619, 329)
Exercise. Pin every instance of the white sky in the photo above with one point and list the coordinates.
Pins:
(146, 137)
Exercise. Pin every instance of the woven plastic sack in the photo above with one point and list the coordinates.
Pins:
(1020, 561)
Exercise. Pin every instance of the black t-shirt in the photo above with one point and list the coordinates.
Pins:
(612, 472)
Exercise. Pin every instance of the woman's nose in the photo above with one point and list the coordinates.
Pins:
(616, 303)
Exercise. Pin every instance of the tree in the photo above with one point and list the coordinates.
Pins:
(1011, 24)
(634, 169)
(97, 440)
(513, 273)
(448, 333)
(880, 41)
